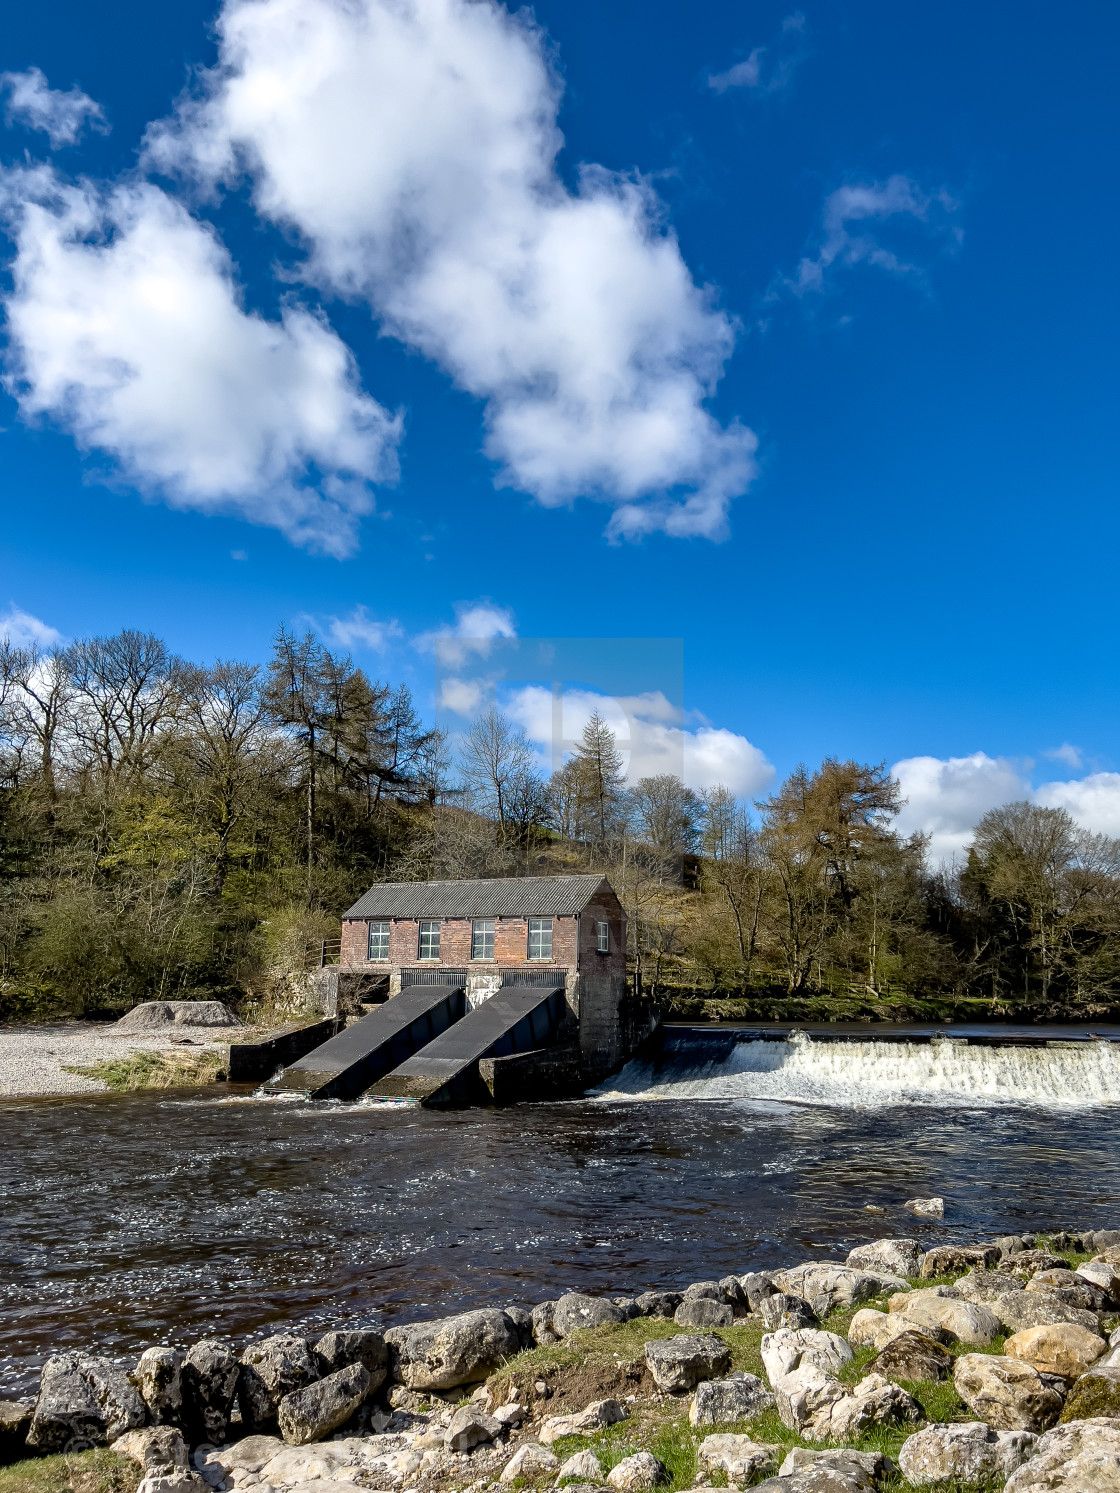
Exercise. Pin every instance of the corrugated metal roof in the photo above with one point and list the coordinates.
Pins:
(516, 897)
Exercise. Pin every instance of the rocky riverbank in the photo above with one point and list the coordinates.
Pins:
(975, 1366)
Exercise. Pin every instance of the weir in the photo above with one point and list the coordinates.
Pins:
(518, 1018)
(349, 1063)
(1044, 1066)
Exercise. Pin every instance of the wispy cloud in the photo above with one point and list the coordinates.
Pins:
(359, 630)
(1072, 756)
(21, 628)
(766, 69)
(35, 105)
(851, 222)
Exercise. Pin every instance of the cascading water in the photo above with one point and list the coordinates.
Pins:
(858, 1074)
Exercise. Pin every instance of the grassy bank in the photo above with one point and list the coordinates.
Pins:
(83, 1472)
(158, 1070)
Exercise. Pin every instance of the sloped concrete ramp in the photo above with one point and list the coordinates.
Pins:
(445, 1073)
(348, 1064)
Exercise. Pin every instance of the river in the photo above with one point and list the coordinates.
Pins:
(159, 1217)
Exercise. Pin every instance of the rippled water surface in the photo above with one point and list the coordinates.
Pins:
(156, 1217)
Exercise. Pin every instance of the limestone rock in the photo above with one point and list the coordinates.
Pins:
(703, 1312)
(1071, 1289)
(926, 1207)
(158, 1379)
(529, 1460)
(1031, 1261)
(914, 1357)
(1039, 1308)
(800, 1394)
(826, 1287)
(577, 1310)
(596, 1416)
(708, 1290)
(658, 1303)
(740, 1457)
(250, 1453)
(1081, 1457)
(522, 1319)
(964, 1321)
(296, 1465)
(451, 1351)
(1063, 1349)
(158, 1449)
(785, 1350)
(15, 1422)
(637, 1474)
(158, 1015)
(734, 1294)
(310, 1413)
(987, 1286)
(271, 1369)
(583, 1465)
(900, 1257)
(781, 1310)
(875, 1401)
(873, 1465)
(541, 1319)
(869, 1328)
(968, 1453)
(627, 1305)
(83, 1401)
(1006, 1393)
(955, 1259)
(1105, 1277)
(1095, 1393)
(338, 1350)
(758, 1285)
(679, 1363)
(209, 1381)
(719, 1402)
(470, 1426)
(839, 1476)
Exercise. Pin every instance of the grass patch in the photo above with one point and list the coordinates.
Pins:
(82, 1472)
(156, 1070)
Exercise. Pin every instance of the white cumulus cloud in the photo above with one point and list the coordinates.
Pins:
(411, 145)
(1094, 801)
(61, 115)
(125, 326)
(946, 796)
(850, 220)
(21, 628)
(477, 625)
(649, 738)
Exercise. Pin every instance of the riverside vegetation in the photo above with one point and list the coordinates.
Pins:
(169, 830)
(959, 1367)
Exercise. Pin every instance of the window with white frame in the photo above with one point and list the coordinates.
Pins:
(378, 941)
(482, 938)
(602, 938)
(428, 945)
(540, 938)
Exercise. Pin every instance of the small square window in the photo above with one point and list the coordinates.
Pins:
(482, 938)
(602, 938)
(378, 941)
(428, 946)
(540, 938)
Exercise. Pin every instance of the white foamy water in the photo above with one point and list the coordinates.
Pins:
(873, 1074)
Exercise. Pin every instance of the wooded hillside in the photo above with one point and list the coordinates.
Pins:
(171, 830)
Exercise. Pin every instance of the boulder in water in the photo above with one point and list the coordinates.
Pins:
(157, 1016)
(454, 1350)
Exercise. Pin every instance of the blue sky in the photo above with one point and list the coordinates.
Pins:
(876, 495)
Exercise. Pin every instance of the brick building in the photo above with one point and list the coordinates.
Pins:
(530, 929)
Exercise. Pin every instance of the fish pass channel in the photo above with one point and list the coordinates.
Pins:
(156, 1217)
